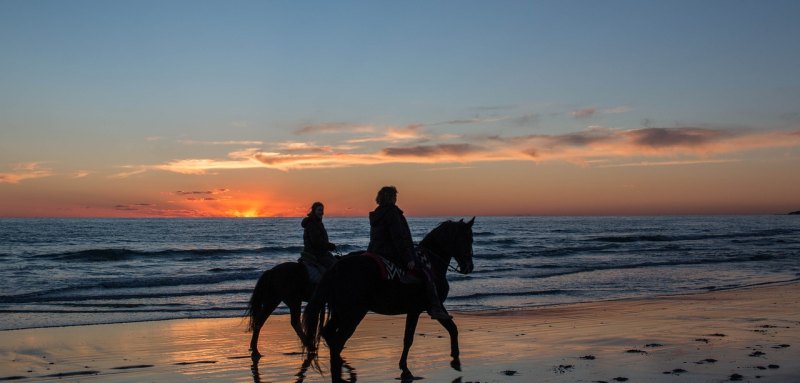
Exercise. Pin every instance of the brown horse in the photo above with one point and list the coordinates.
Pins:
(354, 286)
(288, 283)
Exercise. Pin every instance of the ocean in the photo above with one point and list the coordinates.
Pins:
(61, 272)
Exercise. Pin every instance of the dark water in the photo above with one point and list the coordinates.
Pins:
(56, 272)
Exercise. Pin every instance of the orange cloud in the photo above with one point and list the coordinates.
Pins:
(591, 146)
(405, 133)
(25, 171)
(300, 147)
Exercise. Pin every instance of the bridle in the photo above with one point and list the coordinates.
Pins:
(441, 260)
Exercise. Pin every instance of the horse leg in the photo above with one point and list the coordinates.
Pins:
(452, 329)
(336, 339)
(294, 314)
(408, 339)
(260, 320)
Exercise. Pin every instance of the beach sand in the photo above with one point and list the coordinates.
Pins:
(749, 334)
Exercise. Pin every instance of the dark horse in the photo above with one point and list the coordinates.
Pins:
(287, 283)
(354, 286)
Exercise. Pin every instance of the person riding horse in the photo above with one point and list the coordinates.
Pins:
(292, 282)
(317, 248)
(390, 237)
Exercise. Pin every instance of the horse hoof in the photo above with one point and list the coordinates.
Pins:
(255, 356)
(406, 376)
(456, 364)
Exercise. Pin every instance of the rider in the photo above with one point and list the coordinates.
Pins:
(390, 237)
(316, 247)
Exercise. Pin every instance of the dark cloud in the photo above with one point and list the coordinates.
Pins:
(531, 152)
(584, 138)
(273, 159)
(686, 136)
(308, 149)
(202, 192)
(526, 120)
(331, 127)
(180, 192)
(432, 150)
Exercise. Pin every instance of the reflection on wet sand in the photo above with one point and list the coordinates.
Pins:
(301, 373)
(754, 331)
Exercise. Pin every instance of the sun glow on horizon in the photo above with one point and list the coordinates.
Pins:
(251, 213)
(233, 204)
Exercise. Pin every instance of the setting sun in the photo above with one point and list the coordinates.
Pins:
(252, 213)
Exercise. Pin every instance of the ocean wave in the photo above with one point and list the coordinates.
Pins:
(44, 298)
(692, 237)
(562, 251)
(704, 261)
(636, 238)
(111, 311)
(507, 294)
(132, 283)
(547, 252)
(235, 269)
(503, 242)
(122, 254)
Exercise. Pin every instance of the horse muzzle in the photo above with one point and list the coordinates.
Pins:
(466, 268)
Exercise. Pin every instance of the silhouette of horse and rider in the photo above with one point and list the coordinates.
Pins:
(391, 277)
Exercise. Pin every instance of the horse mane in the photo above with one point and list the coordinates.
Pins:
(437, 232)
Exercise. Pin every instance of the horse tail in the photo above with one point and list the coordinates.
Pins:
(255, 308)
(315, 315)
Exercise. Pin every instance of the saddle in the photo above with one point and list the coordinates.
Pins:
(392, 272)
(315, 266)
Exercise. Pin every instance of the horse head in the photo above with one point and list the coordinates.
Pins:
(453, 239)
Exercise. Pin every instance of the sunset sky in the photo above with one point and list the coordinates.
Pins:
(258, 108)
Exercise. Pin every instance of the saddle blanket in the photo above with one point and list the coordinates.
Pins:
(392, 272)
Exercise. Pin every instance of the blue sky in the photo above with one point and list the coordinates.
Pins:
(93, 85)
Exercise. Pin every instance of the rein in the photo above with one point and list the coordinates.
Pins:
(441, 259)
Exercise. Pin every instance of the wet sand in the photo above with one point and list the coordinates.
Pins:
(748, 335)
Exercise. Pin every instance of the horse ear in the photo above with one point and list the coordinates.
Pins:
(471, 221)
